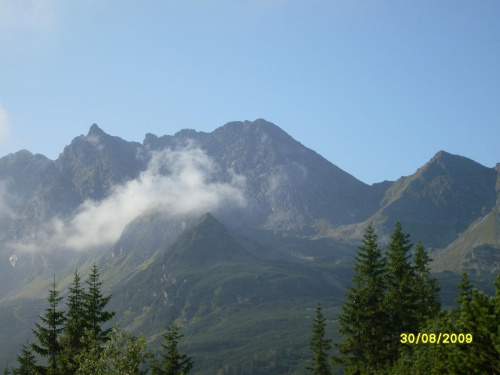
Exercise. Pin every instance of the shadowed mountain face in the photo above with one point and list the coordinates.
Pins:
(97, 161)
(436, 203)
(477, 249)
(291, 186)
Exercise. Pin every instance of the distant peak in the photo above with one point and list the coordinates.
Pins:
(23, 153)
(261, 123)
(95, 130)
(150, 137)
(443, 154)
(258, 126)
(208, 223)
(443, 158)
(446, 158)
(186, 133)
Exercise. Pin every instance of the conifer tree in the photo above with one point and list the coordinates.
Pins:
(320, 346)
(479, 316)
(94, 307)
(71, 339)
(401, 300)
(27, 363)
(48, 332)
(172, 362)
(425, 287)
(465, 288)
(363, 320)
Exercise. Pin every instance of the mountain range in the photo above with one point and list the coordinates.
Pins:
(237, 233)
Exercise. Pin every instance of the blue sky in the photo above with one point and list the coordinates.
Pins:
(376, 87)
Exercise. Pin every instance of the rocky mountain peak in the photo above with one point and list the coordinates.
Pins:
(258, 128)
(186, 133)
(208, 225)
(95, 131)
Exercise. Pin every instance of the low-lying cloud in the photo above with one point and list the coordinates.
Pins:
(179, 182)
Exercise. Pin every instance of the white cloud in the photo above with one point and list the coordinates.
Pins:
(179, 182)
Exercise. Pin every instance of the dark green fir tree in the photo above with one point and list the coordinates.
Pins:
(320, 346)
(363, 320)
(172, 361)
(480, 316)
(48, 332)
(27, 363)
(71, 339)
(94, 312)
(401, 300)
(425, 287)
(465, 289)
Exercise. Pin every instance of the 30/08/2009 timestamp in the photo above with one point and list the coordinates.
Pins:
(436, 338)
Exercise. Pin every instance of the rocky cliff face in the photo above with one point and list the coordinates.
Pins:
(291, 185)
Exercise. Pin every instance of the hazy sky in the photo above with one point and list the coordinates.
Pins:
(376, 87)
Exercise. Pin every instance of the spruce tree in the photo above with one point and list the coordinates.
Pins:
(401, 301)
(26, 361)
(363, 320)
(479, 316)
(472, 333)
(48, 332)
(94, 308)
(71, 339)
(320, 346)
(425, 287)
(172, 362)
(465, 288)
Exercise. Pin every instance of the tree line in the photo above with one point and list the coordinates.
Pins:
(75, 342)
(393, 294)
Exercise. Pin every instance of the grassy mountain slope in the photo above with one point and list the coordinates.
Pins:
(235, 301)
(477, 249)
